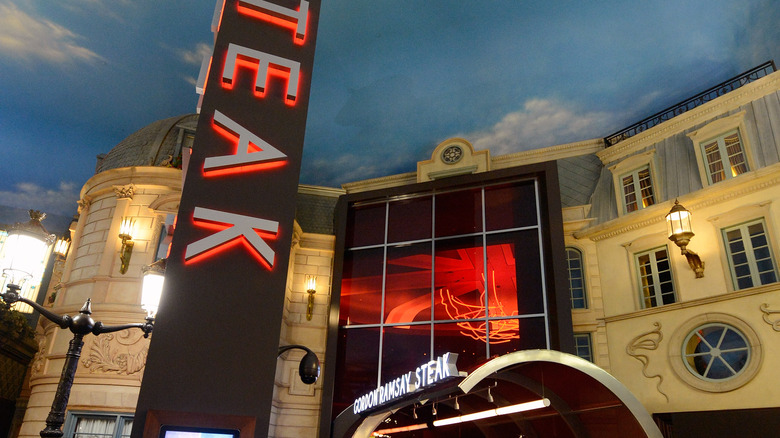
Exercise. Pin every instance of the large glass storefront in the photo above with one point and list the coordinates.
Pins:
(443, 270)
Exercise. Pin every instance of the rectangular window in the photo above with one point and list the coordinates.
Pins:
(655, 278)
(99, 426)
(724, 157)
(637, 190)
(583, 347)
(750, 255)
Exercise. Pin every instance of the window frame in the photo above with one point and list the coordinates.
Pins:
(584, 299)
(751, 263)
(633, 165)
(120, 418)
(580, 336)
(658, 296)
(676, 348)
(716, 130)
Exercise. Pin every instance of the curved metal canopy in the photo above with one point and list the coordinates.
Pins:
(585, 401)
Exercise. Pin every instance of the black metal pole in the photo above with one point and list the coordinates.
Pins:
(80, 325)
(56, 416)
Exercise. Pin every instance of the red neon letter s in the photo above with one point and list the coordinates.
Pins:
(242, 156)
(264, 61)
(296, 18)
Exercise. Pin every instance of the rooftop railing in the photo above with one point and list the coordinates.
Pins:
(692, 102)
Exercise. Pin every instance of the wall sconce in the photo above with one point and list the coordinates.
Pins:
(126, 234)
(311, 289)
(62, 246)
(678, 221)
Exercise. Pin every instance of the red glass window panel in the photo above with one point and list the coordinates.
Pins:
(408, 283)
(516, 269)
(510, 206)
(410, 219)
(356, 365)
(458, 212)
(404, 348)
(449, 338)
(459, 279)
(361, 287)
(365, 226)
(507, 336)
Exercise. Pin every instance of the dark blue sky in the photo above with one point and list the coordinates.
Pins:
(392, 78)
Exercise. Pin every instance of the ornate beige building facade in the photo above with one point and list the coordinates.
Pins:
(691, 348)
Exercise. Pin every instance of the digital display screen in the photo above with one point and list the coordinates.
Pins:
(197, 432)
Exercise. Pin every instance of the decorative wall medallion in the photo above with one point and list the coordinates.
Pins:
(767, 314)
(647, 341)
(452, 154)
(122, 353)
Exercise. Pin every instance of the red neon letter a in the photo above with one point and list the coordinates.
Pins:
(242, 156)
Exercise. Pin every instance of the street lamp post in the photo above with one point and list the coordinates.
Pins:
(80, 325)
(25, 247)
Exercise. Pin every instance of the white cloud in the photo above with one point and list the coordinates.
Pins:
(541, 123)
(196, 55)
(61, 200)
(28, 38)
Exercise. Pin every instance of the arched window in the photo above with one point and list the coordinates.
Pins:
(579, 299)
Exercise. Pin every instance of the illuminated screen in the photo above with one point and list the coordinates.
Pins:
(442, 271)
(197, 432)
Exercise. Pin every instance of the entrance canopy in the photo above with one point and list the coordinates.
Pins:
(568, 397)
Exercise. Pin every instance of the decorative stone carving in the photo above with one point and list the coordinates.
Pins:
(83, 203)
(121, 353)
(647, 341)
(125, 192)
(767, 314)
(36, 367)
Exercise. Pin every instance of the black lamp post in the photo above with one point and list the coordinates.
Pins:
(25, 246)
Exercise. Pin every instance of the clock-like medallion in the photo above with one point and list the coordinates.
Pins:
(452, 154)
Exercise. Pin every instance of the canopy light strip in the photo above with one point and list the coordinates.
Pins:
(385, 432)
(513, 409)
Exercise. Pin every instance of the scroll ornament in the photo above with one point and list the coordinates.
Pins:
(647, 341)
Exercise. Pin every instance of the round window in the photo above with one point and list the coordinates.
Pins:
(716, 351)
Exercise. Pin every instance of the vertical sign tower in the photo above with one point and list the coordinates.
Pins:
(214, 346)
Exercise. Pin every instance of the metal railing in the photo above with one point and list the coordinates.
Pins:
(691, 103)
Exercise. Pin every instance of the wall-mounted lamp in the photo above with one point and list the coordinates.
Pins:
(311, 289)
(62, 245)
(126, 234)
(678, 221)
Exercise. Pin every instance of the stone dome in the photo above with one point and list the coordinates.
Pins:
(157, 144)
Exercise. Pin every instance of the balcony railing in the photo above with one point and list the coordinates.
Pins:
(692, 102)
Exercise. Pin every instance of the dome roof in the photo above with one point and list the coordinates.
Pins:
(153, 145)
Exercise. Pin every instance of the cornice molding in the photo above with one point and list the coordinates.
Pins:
(689, 119)
(715, 194)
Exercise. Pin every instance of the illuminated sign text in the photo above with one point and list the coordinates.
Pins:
(425, 375)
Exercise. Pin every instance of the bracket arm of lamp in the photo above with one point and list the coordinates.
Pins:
(309, 368)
